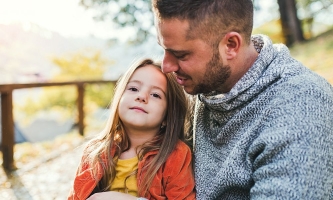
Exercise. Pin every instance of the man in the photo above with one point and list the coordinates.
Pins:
(263, 123)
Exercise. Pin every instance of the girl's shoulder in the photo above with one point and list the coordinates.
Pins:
(179, 161)
(181, 152)
(182, 146)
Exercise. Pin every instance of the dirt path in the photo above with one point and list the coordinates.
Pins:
(48, 181)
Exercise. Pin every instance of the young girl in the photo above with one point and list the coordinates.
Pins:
(140, 153)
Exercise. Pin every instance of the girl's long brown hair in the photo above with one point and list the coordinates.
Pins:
(114, 135)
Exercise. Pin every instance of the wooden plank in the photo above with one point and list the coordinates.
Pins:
(10, 87)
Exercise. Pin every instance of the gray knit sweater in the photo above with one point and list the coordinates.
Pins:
(270, 137)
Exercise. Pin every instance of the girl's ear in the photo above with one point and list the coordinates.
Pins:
(163, 125)
(230, 45)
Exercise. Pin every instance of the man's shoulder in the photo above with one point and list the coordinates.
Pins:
(307, 82)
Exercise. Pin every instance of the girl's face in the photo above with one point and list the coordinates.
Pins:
(143, 103)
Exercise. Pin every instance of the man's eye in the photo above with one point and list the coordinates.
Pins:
(180, 56)
(156, 95)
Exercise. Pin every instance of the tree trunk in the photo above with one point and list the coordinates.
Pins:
(291, 26)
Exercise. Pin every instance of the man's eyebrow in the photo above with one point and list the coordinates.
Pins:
(177, 51)
(172, 50)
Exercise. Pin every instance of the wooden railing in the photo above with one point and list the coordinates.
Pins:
(7, 118)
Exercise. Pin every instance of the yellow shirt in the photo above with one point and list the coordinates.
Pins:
(123, 169)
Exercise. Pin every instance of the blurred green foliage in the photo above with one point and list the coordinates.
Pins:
(315, 53)
(83, 67)
(272, 29)
(75, 67)
(137, 14)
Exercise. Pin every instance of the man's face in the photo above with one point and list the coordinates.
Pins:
(196, 65)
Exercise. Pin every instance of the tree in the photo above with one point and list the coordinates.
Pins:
(291, 26)
(309, 10)
(78, 66)
(134, 14)
(138, 15)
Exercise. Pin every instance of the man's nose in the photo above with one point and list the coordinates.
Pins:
(170, 63)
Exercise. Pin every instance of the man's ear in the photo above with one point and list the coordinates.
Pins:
(230, 45)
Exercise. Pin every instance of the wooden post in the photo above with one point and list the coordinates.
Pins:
(7, 120)
(80, 103)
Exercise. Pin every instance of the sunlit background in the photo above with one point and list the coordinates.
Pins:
(33, 32)
(61, 40)
(65, 17)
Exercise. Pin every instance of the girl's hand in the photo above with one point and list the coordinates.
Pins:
(111, 195)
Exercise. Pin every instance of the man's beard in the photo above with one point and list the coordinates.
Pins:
(215, 76)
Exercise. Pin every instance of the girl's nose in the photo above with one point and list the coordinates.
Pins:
(142, 97)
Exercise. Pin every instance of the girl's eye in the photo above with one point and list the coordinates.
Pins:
(156, 95)
(133, 89)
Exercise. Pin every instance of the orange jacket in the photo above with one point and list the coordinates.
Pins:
(174, 180)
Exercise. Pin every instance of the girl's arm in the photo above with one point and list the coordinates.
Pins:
(111, 195)
(83, 183)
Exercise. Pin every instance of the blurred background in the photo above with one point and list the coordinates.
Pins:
(43, 41)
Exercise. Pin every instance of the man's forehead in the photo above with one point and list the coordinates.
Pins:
(171, 30)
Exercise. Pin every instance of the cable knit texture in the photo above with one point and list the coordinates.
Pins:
(270, 137)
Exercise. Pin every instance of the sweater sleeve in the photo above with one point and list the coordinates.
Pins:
(178, 178)
(292, 157)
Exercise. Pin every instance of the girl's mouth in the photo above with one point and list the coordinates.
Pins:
(138, 109)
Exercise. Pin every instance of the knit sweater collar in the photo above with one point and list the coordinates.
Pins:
(251, 84)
